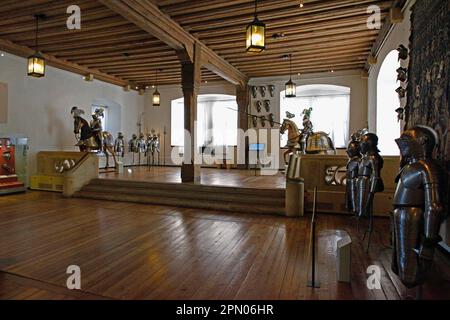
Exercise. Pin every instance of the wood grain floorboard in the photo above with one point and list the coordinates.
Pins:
(136, 251)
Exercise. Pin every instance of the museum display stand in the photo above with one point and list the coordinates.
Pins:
(65, 172)
(328, 173)
(13, 164)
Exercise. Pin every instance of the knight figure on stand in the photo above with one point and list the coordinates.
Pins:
(90, 136)
(153, 149)
(119, 145)
(305, 141)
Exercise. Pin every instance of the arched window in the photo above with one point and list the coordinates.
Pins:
(216, 121)
(388, 128)
(112, 112)
(331, 107)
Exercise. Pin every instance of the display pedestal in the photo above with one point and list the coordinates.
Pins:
(119, 167)
(9, 181)
(10, 184)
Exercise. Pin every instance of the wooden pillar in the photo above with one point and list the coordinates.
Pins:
(191, 80)
(243, 102)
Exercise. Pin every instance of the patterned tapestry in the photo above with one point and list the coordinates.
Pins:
(429, 78)
(429, 82)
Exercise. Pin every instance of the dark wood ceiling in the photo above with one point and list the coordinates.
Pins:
(323, 35)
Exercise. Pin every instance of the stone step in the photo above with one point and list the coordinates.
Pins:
(228, 206)
(188, 187)
(207, 195)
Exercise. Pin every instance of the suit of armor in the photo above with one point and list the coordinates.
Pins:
(141, 144)
(96, 126)
(153, 147)
(307, 129)
(354, 155)
(418, 209)
(369, 174)
(132, 144)
(119, 145)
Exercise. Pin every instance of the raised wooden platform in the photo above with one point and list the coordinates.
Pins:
(209, 177)
(212, 197)
(224, 190)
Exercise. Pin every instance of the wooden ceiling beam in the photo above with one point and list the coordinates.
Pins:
(297, 59)
(365, 47)
(292, 31)
(137, 66)
(313, 38)
(307, 64)
(25, 52)
(103, 26)
(129, 62)
(323, 69)
(267, 10)
(131, 47)
(147, 16)
(53, 8)
(386, 29)
(69, 44)
(295, 48)
(142, 57)
(330, 10)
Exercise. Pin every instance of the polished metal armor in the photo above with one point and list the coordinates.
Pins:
(369, 174)
(418, 208)
(353, 152)
(141, 144)
(119, 145)
(132, 144)
(97, 129)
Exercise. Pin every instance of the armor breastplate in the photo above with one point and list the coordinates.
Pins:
(365, 168)
(410, 191)
(353, 169)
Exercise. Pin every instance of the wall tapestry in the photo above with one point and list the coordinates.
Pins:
(429, 80)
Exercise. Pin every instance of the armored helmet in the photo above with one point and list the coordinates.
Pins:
(418, 142)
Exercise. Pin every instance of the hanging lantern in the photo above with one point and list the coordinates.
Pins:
(256, 34)
(36, 65)
(156, 95)
(291, 87)
(156, 98)
(36, 62)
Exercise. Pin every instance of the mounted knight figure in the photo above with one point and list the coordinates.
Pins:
(91, 137)
(306, 140)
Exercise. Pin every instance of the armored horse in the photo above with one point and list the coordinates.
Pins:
(305, 141)
(91, 137)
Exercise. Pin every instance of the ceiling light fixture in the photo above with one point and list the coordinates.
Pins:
(156, 95)
(36, 62)
(256, 34)
(291, 87)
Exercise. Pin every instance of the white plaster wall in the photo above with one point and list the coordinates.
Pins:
(399, 35)
(40, 108)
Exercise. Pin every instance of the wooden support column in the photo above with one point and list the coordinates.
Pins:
(191, 81)
(243, 102)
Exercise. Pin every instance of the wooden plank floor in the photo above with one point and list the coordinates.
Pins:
(209, 176)
(132, 251)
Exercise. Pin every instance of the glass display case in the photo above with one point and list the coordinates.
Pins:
(13, 164)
